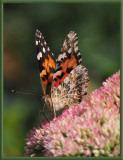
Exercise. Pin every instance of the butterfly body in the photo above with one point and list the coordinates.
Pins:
(64, 80)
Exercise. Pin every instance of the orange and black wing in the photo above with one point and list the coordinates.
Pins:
(68, 58)
(47, 62)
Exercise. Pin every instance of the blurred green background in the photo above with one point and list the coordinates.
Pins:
(98, 28)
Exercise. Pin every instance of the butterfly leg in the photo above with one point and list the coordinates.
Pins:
(54, 112)
(44, 114)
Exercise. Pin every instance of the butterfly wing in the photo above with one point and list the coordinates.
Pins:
(71, 91)
(68, 58)
(47, 62)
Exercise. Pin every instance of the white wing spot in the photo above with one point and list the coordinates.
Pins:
(76, 49)
(36, 43)
(70, 50)
(71, 36)
(39, 55)
(65, 44)
(76, 43)
(61, 56)
(44, 50)
(80, 59)
(48, 49)
(78, 54)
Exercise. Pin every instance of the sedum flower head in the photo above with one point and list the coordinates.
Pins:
(34, 142)
(90, 129)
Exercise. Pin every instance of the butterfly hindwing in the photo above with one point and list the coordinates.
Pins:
(71, 91)
(68, 58)
(47, 62)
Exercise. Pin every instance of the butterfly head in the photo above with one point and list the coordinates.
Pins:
(47, 101)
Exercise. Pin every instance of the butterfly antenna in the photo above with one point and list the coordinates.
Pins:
(18, 92)
(43, 115)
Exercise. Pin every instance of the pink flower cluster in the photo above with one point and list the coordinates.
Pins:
(107, 96)
(34, 142)
(90, 129)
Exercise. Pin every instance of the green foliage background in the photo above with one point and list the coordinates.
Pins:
(98, 28)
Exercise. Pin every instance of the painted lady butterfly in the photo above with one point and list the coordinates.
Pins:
(64, 80)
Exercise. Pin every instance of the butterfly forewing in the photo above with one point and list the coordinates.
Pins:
(70, 46)
(68, 58)
(47, 62)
